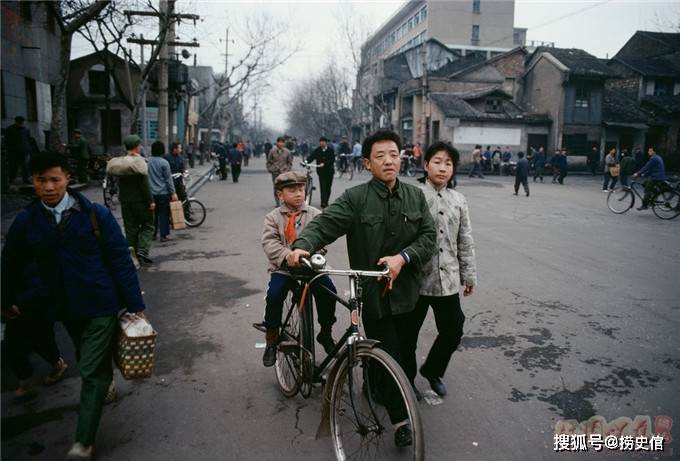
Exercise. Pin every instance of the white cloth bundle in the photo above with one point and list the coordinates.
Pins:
(135, 326)
(127, 165)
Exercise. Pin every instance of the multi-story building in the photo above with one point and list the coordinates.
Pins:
(482, 28)
(30, 65)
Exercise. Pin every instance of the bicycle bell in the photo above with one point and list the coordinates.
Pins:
(317, 261)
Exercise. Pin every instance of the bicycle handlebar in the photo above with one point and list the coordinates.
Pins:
(310, 165)
(317, 263)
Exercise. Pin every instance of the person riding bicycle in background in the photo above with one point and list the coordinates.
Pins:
(356, 154)
(281, 226)
(344, 151)
(279, 160)
(655, 169)
(324, 155)
(176, 161)
(386, 222)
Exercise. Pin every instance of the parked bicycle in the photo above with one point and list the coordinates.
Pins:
(408, 165)
(354, 375)
(345, 166)
(215, 167)
(109, 190)
(309, 187)
(194, 210)
(665, 202)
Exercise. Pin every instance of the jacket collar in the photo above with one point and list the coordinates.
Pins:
(284, 209)
(382, 189)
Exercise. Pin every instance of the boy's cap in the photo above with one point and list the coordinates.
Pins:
(289, 178)
(131, 141)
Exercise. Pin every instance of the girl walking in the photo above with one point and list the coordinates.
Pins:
(451, 269)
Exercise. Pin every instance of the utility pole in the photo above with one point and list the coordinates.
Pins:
(423, 104)
(226, 77)
(166, 19)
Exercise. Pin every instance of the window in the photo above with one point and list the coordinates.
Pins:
(493, 105)
(576, 144)
(475, 6)
(582, 98)
(110, 127)
(474, 40)
(31, 100)
(663, 87)
(435, 131)
(416, 19)
(410, 24)
(25, 10)
(423, 14)
(51, 21)
(99, 82)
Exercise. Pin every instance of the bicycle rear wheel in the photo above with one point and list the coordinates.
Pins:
(287, 367)
(109, 191)
(361, 427)
(308, 191)
(194, 212)
(620, 200)
(666, 204)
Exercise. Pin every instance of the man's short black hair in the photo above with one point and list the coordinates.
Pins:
(280, 139)
(520, 154)
(382, 135)
(19, 119)
(157, 149)
(323, 138)
(43, 162)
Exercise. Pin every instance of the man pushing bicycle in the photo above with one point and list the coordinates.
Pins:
(386, 222)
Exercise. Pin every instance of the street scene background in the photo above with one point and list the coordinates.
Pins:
(575, 314)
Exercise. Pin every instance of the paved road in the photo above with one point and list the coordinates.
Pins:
(576, 314)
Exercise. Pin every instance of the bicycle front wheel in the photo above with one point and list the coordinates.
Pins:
(367, 400)
(666, 204)
(288, 368)
(309, 190)
(620, 200)
(194, 212)
(306, 351)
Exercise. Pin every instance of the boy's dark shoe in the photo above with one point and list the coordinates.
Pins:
(144, 260)
(269, 357)
(402, 436)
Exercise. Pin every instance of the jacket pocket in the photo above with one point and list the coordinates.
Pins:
(412, 220)
(371, 219)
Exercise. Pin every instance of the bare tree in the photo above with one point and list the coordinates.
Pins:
(265, 48)
(70, 16)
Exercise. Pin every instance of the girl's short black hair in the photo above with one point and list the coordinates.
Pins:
(381, 135)
(157, 149)
(448, 148)
(42, 162)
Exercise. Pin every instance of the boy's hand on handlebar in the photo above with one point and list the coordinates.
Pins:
(293, 258)
(394, 264)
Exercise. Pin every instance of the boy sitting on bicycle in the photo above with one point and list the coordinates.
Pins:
(281, 226)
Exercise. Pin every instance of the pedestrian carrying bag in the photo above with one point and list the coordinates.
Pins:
(127, 165)
(135, 347)
(614, 170)
(177, 215)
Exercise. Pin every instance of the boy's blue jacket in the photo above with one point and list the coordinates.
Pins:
(64, 270)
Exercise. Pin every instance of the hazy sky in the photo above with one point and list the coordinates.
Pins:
(599, 27)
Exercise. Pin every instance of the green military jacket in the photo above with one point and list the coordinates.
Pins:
(378, 223)
(79, 149)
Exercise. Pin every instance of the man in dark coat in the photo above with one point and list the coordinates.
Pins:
(68, 258)
(235, 160)
(18, 140)
(522, 173)
(325, 158)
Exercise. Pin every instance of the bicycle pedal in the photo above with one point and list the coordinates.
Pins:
(288, 346)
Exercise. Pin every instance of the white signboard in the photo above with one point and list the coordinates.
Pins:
(486, 135)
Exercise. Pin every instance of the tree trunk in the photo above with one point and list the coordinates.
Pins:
(57, 126)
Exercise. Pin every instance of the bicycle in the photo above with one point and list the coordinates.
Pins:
(345, 166)
(408, 165)
(353, 413)
(215, 168)
(109, 190)
(309, 185)
(665, 203)
(194, 210)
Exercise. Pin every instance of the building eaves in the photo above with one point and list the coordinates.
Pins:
(653, 67)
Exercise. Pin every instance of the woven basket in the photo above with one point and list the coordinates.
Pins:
(134, 355)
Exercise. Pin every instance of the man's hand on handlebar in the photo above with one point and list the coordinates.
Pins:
(394, 263)
(293, 258)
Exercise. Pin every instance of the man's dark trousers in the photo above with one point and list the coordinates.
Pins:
(235, 171)
(94, 341)
(25, 334)
(138, 223)
(162, 215)
(391, 331)
(325, 183)
(524, 181)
